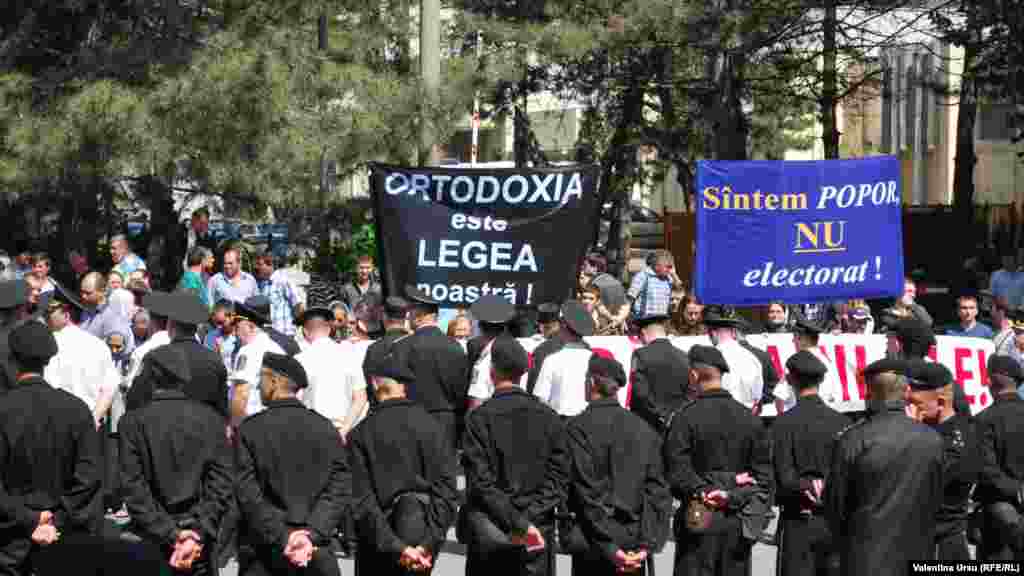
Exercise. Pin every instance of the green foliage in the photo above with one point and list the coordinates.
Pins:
(363, 242)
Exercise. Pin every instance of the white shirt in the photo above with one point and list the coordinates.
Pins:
(481, 386)
(744, 380)
(83, 366)
(830, 390)
(561, 383)
(334, 371)
(247, 368)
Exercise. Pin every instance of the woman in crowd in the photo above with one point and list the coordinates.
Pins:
(776, 318)
(689, 319)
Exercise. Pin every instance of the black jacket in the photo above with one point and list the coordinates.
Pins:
(439, 364)
(714, 437)
(961, 470)
(804, 439)
(618, 491)
(208, 384)
(399, 449)
(515, 458)
(176, 467)
(884, 491)
(7, 374)
(1002, 448)
(49, 460)
(660, 382)
(292, 474)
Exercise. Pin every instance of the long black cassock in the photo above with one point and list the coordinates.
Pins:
(176, 472)
(292, 475)
(660, 378)
(49, 460)
(618, 492)
(805, 438)
(401, 461)
(1002, 448)
(962, 461)
(883, 492)
(710, 442)
(517, 470)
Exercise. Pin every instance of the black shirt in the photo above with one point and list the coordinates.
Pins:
(804, 439)
(713, 440)
(292, 474)
(618, 491)
(515, 457)
(49, 459)
(884, 490)
(397, 449)
(660, 382)
(961, 470)
(176, 467)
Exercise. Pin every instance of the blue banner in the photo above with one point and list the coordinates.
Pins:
(798, 232)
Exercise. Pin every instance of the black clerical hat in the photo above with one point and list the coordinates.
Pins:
(32, 342)
(183, 308)
(420, 299)
(547, 312)
(709, 355)
(288, 367)
(395, 307)
(390, 367)
(1007, 366)
(509, 355)
(253, 310)
(806, 364)
(802, 326)
(493, 309)
(652, 319)
(924, 376)
(607, 368)
(886, 365)
(723, 317)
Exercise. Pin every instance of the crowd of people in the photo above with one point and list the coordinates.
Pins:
(236, 416)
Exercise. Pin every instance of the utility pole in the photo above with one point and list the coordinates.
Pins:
(430, 73)
(829, 91)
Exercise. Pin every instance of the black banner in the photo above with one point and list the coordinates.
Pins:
(460, 233)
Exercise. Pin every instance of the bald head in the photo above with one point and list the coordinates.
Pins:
(888, 386)
(93, 290)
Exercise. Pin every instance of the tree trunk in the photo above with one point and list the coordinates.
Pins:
(963, 164)
(829, 92)
(160, 256)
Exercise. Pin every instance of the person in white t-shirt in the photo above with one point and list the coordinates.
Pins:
(337, 386)
(562, 382)
(745, 378)
(494, 313)
(244, 378)
(83, 365)
(805, 337)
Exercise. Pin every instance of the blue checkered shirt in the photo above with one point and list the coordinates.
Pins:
(651, 294)
(283, 300)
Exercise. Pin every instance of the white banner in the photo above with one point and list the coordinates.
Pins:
(848, 354)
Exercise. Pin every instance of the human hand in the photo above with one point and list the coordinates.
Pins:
(716, 499)
(299, 549)
(416, 559)
(745, 479)
(532, 539)
(45, 534)
(188, 548)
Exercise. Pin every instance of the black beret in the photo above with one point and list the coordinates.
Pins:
(395, 307)
(390, 367)
(923, 376)
(709, 355)
(804, 363)
(493, 309)
(32, 341)
(510, 355)
(547, 312)
(607, 368)
(288, 367)
(184, 308)
(802, 326)
(577, 318)
(13, 293)
(1007, 366)
(59, 294)
(420, 299)
(886, 365)
(652, 319)
(172, 362)
(259, 304)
